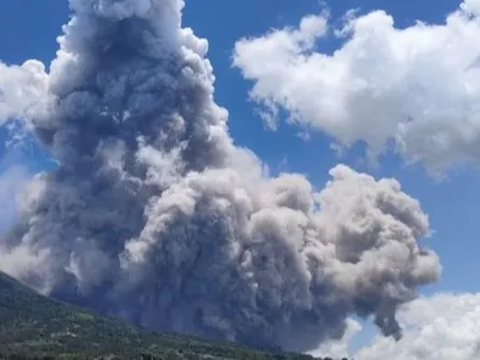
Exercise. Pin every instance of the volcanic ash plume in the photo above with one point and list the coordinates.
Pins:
(154, 215)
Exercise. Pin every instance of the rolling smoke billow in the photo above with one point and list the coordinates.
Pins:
(153, 215)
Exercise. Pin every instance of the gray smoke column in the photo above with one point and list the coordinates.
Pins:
(154, 215)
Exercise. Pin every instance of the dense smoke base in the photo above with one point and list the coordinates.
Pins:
(154, 215)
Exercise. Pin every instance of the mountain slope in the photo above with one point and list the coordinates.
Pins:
(33, 325)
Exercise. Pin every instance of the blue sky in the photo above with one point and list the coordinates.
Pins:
(28, 29)
(451, 204)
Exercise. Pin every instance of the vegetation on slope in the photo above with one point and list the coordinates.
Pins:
(36, 327)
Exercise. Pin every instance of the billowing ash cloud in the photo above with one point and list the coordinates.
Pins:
(154, 215)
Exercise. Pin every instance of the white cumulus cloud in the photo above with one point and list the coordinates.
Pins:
(440, 327)
(418, 86)
(443, 327)
(24, 92)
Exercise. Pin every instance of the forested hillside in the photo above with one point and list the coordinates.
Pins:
(36, 327)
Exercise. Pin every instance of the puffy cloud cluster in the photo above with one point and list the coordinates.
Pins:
(444, 327)
(23, 92)
(154, 215)
(418, 86)
(440, 327)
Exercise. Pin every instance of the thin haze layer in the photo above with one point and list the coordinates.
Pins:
(154, 215)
